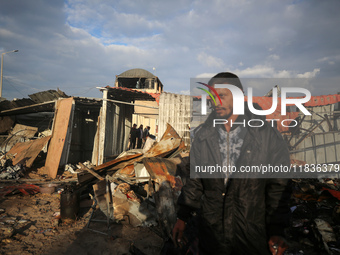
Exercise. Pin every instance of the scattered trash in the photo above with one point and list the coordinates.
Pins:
(25, 189)
(326, 232)
(12, 172)
(70, 168)
(48, 188)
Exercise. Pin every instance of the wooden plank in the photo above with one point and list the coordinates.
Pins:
(91, 171)
(116, 161)
(27, 152)
(68, 139)
(61, 120)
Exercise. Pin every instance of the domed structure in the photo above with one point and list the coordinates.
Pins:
(139, 79)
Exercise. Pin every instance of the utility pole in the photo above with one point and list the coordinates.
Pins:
(2, 66)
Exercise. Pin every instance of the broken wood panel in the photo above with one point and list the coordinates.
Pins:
(100, 193)
(67, 145)
(25, 153)
(61, 120)
(18, 134)
(91, 171)
(170, 143)
(116, 161)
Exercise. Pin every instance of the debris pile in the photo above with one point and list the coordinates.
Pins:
(315, 221)
(20, 150)
(142, 189)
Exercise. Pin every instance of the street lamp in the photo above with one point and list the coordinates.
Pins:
(2, 66)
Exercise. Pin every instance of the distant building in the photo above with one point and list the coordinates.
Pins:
(139, 79)
(142, 80)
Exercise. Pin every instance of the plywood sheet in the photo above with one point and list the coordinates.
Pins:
(25, 153)
(55, 149)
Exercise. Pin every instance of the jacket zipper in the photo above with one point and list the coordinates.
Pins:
(226, 182)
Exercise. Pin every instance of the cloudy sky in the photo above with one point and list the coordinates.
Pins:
(78, 45)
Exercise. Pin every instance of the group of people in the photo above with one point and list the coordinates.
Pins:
(138, 135)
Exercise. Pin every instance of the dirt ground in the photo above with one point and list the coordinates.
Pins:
(29, 224)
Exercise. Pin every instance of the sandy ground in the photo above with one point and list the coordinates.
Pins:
(28, 226)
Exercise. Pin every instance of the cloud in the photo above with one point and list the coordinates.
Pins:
(311, 74)
(274, 57)
(210, 61)
(185, 92)
(77, 45)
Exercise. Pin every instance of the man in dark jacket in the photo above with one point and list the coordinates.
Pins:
(244, 215)
(133, 137)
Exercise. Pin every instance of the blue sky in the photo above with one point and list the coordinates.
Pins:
(78, 45)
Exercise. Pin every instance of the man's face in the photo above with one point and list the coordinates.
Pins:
(226, 109)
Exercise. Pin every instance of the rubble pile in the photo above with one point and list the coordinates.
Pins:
(8, 171)
(143, 188)
(315, 218)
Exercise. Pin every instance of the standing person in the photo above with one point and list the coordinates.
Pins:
(133, 136)
(236, 215)
(145, 134)
(140, 137)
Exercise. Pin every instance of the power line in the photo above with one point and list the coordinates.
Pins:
(10, 83)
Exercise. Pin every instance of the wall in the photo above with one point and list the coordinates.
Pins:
(175, 109)
(323, 144)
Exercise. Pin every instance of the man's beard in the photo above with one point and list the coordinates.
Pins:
(224, 116)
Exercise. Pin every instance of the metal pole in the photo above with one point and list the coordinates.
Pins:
(2, 66)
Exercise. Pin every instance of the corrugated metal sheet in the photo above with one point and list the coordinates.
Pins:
(121, 93)
(49, 95)
(317, 116)
(160, 169)
(175, 109)
(320, 148)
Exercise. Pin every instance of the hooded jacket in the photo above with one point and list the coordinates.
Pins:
(242, 214)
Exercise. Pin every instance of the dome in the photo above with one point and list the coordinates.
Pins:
(136, 73)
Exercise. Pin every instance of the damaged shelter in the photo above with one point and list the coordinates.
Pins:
(140, 187)
(68, 122)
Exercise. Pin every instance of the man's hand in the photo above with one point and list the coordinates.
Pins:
(177, 233)
(277, 245)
